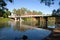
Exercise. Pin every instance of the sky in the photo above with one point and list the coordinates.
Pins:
(32, 5)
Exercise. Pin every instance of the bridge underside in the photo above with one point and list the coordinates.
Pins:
(41, 19)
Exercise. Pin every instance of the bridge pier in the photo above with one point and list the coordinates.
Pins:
(20, 21)
(38, 19)
(15, 19)
(46, 24)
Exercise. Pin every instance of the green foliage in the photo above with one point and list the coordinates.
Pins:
(51, 21)
(30, 21)
(19, 11)
(14, 10)
(1, 13)
(39, 13)
(56, 12)
(3, 3)
(47, 2)
(4, 20)
(28, 11)
(10, 1)
(24, 11)
(6, 14)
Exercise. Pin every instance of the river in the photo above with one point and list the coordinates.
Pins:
(14, 31)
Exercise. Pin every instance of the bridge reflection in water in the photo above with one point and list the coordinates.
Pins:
(13, 31)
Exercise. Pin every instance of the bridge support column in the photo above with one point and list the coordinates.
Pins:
(20, 21)
(15, 19)
(46, 24)
(38, 19)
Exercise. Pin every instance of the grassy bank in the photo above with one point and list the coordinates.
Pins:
(4, 20)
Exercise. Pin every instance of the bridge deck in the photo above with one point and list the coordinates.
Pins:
(30, 16)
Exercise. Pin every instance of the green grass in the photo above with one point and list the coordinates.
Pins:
(4, 20)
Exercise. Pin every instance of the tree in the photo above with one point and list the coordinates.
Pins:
(51, 2)
(19, 11)
(58, 12)
(28, 12)
(1, 13)
(39, 13)
(47, 2)
(6, 14)
(34, 12)
(2, 6)
(22, 11)
(14, 11)
(54, 12)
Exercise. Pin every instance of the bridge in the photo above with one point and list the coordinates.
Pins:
(45, 17)
(26, 16)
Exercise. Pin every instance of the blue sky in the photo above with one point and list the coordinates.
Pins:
(32, 5)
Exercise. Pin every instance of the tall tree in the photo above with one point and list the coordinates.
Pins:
(49, 3)
(6, 14)
(22, 11)
(34, 12)
(54, 12)
(39, 13)
(58, 12)
(14, 11)
(18, 12)
(2, 6)
(28, 12)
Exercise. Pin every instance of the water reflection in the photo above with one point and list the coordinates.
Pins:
(18, 27)
(4, 25)
(14, 31)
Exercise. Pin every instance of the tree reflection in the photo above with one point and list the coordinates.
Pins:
(1, 25)
(18, 27)
(4, 25)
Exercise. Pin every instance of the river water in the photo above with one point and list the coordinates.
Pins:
(13, 31)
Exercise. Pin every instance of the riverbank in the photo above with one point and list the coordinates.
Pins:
(4, 20)
(55, 35)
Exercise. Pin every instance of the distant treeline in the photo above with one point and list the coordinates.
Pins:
(24, 11)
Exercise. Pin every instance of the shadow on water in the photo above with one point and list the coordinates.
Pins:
(23, 38)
